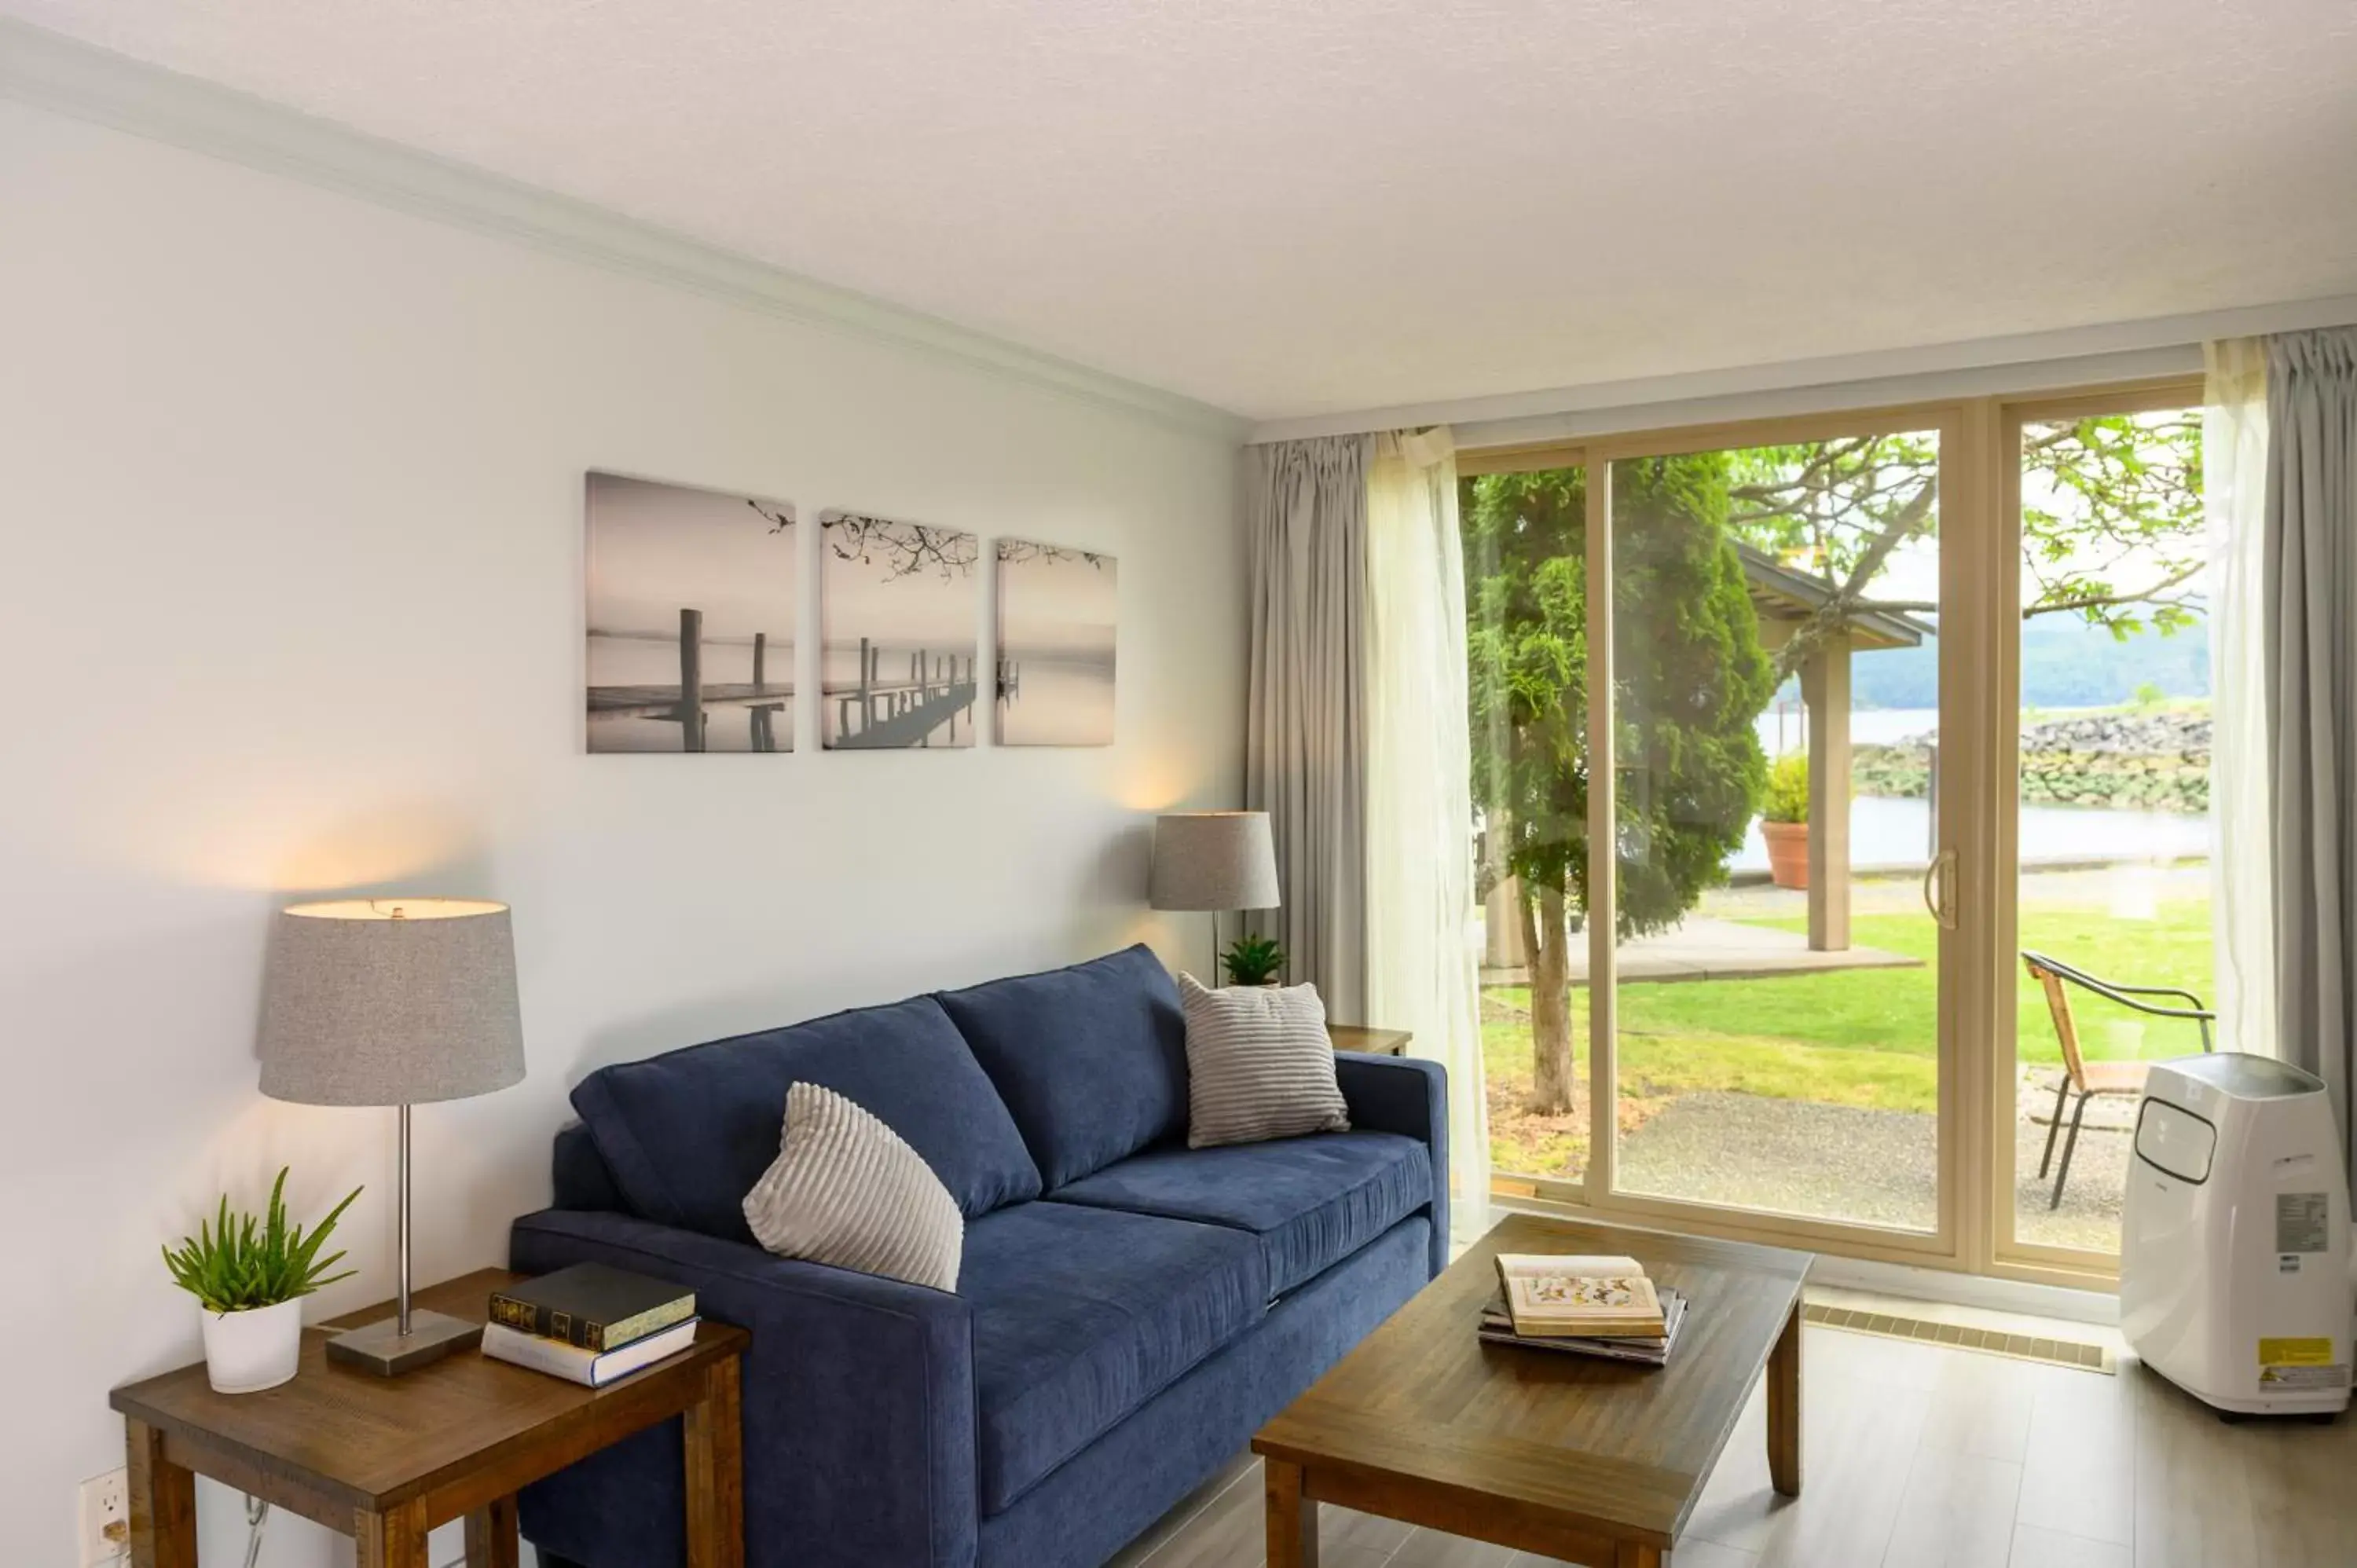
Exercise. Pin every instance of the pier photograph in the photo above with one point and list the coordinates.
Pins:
(900, 605)
(1057, 611)
(691, 618)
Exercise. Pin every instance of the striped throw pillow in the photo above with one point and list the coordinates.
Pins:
(845, 1190)
(1258, 1065)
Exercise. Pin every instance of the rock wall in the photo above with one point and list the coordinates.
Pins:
(2149, 762)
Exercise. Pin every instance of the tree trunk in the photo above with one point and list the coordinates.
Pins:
(1555, 1081)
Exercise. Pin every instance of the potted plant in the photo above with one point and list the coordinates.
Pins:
(250, 1276)
(1784, 820)
(1254, 960)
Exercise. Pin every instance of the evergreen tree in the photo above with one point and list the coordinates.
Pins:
(1691, 678)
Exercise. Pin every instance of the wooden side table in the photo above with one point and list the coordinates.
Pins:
(384, 1460)
(1383, 1042)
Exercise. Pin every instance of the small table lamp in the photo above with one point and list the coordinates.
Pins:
(392, 1001)
(1215, 861)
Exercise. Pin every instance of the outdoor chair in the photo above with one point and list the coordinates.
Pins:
(2092, 1078)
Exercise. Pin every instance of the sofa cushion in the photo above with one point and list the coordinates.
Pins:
(1091, 1060)
(1082, 1315)
(1259, 1064)
(847, 1191)
(687, 1133)
(1310, 1202)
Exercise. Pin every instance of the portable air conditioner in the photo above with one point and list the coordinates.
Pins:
(2234, 1280)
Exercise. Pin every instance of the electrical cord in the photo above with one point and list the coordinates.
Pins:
(257, 1514)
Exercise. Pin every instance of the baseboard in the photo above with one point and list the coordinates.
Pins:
(1967, 1290)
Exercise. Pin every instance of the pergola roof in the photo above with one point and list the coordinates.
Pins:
(1781, 594)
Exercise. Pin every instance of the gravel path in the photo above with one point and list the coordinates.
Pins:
(1842, 1162)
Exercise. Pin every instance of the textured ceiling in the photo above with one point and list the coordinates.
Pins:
(1292, 208)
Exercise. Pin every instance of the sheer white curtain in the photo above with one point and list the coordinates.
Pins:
(1422, 967)
(2242, 889)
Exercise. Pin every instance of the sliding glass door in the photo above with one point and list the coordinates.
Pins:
(2108, 813)
(1842, 787)
(1776, 731)
(1750, 633)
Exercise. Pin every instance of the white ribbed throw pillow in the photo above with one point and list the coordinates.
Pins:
(845, 1190)
(1259, 1065)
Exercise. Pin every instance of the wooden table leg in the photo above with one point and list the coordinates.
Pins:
(1637, 1554)
(1784, 1408)
(715, 1472)
(393, 1538)
(491, 1540)
(163, 1502)
(1292, 1517)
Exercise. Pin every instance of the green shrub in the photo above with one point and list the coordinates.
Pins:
(1788, 790)
(237, 1261)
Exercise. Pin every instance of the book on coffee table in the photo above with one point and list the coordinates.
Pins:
(1589, 1297)
(1496, 1327)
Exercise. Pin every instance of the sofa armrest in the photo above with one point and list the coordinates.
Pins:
(858, 1408)
(1408, 1096)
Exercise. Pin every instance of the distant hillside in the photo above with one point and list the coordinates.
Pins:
(2065, 663)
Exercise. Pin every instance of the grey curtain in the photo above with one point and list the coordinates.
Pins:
(1305, 737)
(2310, 590)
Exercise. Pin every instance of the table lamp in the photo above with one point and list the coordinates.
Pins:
(392, 1001)
(1215, 861)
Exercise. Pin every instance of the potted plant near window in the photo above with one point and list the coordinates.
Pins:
(1254, 960)
(250, 1275)
(1784, 820)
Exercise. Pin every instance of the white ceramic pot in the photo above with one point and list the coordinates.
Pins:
(258, 1349)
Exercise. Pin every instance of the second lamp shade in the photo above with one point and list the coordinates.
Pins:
(1214, 860)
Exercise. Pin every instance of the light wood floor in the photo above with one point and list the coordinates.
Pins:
(1919, 1456)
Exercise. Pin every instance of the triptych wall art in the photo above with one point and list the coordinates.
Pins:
(692, 601)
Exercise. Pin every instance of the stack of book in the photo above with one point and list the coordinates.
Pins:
(589, 1324)
(1587, 1306)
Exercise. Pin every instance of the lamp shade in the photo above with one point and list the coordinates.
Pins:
(390, 1001)
(1214, 860)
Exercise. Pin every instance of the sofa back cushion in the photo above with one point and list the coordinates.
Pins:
(1091, 1060)
(687, 1133)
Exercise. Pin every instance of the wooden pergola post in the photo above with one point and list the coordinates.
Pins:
(1824, 688)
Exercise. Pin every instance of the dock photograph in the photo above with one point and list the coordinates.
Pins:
(900, 605)
(1056, 609)
(692, 597)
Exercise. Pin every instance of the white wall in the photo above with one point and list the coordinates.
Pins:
(290, 600)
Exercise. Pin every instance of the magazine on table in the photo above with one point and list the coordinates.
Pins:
(1496, 1327)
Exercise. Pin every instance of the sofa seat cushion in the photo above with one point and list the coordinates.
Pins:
(687, 1133)
(1091, 1060)
(1082, 1315)
(1310, 1202)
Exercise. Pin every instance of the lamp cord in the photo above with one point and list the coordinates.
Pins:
(257, 1514)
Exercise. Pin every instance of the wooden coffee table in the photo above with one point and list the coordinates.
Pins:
(1585, 1460)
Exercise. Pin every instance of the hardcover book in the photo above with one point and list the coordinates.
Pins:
(1594, 1298)
(591, 1369)
(592, 1306)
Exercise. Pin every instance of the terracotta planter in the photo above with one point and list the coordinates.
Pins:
(1788, 852)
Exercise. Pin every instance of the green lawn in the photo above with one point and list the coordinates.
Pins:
(1865, 1036)
(1896, 1010)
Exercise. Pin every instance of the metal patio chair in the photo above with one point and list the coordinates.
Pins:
(2092, 1078)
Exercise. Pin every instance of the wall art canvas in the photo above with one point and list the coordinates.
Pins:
(901, 603)
(691, 618)
(1057, 611)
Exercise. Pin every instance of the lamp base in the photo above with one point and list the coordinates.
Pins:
(382, 1348)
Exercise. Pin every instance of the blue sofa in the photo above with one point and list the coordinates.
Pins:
(1128, 1312)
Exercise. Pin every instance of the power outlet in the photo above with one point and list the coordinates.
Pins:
(105, 1520)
